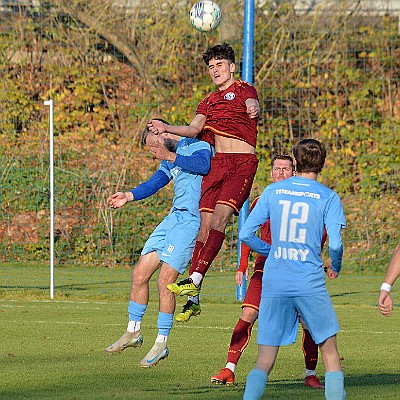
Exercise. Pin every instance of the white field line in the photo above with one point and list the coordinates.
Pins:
(189, 327)
(58, 301)
(109, 304)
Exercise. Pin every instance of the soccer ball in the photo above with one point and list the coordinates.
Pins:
(205, 16)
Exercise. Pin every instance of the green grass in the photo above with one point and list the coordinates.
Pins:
(31, 279)
(55, 350)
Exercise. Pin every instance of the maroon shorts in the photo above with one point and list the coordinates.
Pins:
(253, 294)
(229, 181)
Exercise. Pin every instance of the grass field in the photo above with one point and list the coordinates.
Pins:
(30, 279)
(55, 350)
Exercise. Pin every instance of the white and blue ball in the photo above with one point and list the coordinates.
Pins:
(205, 16)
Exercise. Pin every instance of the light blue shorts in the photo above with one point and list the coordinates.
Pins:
(279, 316)
(174, 239)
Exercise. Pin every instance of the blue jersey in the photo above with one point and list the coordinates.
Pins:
(298, 209)
(187, 185)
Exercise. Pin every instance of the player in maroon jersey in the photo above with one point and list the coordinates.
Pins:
(226, 118)
(282, 168)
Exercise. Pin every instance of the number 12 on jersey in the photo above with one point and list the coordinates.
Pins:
(292, 215)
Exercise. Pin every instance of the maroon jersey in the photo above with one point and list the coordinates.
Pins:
(207, 136)
(226, 113)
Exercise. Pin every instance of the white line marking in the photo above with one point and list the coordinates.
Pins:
(190, 327)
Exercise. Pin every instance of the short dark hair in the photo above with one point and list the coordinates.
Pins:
(146, 132)
(281, 157)
(219, 52)
(310, 156)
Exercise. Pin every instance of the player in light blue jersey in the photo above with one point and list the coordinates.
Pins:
(293, 281)
(169, 248)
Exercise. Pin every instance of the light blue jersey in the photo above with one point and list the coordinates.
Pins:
(187, 185)
(298, 209)
(174, 238)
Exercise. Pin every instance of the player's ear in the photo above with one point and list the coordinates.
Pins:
(232, 67)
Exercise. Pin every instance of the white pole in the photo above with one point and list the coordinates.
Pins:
(51, 162)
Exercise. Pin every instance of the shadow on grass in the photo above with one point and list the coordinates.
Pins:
(284, 389)
(345, 294)
(80, 286)
(350, 381)
(278, 390)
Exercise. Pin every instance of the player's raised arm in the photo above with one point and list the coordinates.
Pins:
(192, 130)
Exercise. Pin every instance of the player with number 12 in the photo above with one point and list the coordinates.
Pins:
(293, 281)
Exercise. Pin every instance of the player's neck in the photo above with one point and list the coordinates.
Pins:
(308, 175)
(226, 84)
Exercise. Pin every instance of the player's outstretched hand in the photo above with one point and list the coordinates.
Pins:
(117, 200)
(155, 126)
(385, 303)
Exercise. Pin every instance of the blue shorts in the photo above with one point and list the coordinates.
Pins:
(174, 239)
(279, 316)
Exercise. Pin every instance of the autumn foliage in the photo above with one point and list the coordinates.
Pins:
(330, 75)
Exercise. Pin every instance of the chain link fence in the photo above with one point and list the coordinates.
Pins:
(328, 70)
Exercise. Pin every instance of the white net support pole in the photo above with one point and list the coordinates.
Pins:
(51, 177)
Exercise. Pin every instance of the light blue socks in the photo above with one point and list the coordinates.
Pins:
(334, 386)
(255, 384)
(136, 311)
(164, 323)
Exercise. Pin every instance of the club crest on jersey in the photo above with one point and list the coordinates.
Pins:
(229, 96)
(175, 171)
